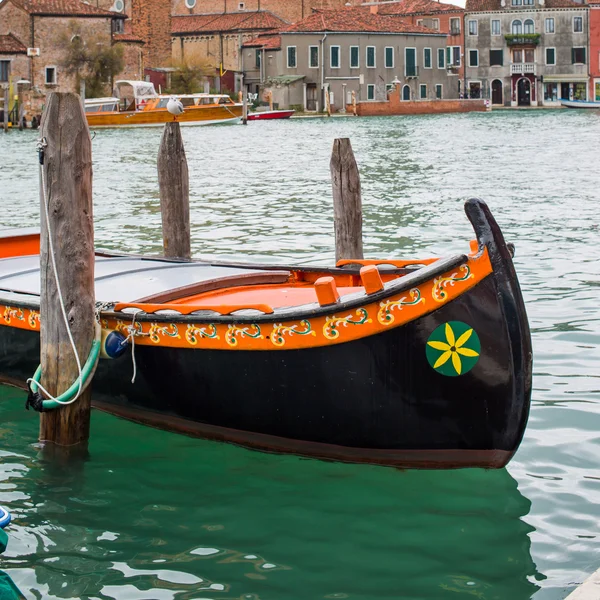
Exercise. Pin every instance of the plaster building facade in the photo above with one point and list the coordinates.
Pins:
(39, 26)
(594, 16)
(526, 52)
(349, 52)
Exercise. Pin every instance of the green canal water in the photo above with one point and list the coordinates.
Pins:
(153, 515)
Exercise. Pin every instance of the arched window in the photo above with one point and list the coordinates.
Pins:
(528, 26)
(517, 27)
(405, 93)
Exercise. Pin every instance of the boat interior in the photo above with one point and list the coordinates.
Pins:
(156, 284)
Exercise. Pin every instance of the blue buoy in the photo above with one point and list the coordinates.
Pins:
(114, 343)
(4, 518)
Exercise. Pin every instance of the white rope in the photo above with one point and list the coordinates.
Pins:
(132, 333)
(41, 144)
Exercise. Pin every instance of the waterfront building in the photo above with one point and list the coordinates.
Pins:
(526, 52)
(447, 18)
(30, 43)
(216, 39)
(594, 17)
(345, 52)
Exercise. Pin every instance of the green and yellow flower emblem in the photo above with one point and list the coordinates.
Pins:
(453, 348)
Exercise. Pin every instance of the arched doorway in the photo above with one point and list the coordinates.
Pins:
(405, 93)
(497, 92)
(524, 92)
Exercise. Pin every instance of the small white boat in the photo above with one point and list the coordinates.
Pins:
(580, 104)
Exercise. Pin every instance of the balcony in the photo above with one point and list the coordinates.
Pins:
(520, 68)
(522, 39)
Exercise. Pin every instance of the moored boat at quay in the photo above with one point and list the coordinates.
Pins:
(411, 363)
(136, 104)
(580, 104)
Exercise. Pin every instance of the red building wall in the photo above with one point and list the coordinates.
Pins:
(594, 59)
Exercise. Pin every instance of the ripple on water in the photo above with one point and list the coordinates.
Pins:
(153, 515)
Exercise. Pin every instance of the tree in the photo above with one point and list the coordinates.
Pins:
(188, 74)
(90, 60)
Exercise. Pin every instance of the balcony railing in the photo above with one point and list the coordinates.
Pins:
(518, 68)
(412, 71)
(522, 39)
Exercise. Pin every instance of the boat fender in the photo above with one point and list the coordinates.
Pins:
(4, 518)
(113, 344)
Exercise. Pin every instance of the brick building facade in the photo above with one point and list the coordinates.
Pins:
(288, 10)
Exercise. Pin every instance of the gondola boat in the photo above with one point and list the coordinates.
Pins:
(411, 363)
(136, 104)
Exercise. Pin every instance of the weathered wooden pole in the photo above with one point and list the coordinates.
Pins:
(66, 191)
(6, 103)
(174, 184)
(347, 203)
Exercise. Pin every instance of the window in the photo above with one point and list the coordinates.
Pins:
(435, 24)
(241, 6)
(473, 27)
(257, 57)
(550, 56)
(529, 55)
(517, 2)
(578, 56)
(550, 25)
(370, 92)
(496, 58)
(50, 75)
(551, 92)
(577, 24)
(410, 62)
(454, 26)
(495, 26)
(405, 93)
(441, 59)
(439, 91)
(190, 3)
(427, 58)
(291, 57)
(389, 58)
(456, 55)
(517, 56)
(473, 58)
(4, 69)
(370, 57)
(423, 91)
(528, 26)
(527, 2)
(354, 57)
(117, 26)
(313, 57)
(420, 22)
(334, 57)
(517, 27)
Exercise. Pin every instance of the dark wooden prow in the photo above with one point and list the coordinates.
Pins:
(67, 172)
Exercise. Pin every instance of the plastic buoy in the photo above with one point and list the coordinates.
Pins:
(4, 518)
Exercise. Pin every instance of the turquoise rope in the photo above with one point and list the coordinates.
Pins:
(88, 368)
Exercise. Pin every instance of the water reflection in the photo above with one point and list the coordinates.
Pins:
(155, 515)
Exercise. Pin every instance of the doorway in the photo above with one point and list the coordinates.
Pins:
(405, 93)
(524, 92)
(311, 97)
(497, 92)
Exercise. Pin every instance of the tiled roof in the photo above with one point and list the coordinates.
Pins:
(241, 21)
(268, 42)
(354, 20)
(494, 5)
(67, 8)
(416, 7)
(9, 44)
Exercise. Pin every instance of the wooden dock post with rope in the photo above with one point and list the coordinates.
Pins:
(347, 202)
(67, 250)
(174, 184)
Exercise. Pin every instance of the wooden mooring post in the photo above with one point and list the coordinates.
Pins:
(174, 185)
(347, 202)
(66, 191)
(6, 103)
